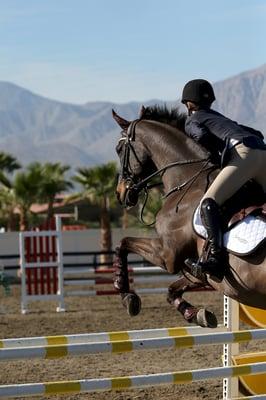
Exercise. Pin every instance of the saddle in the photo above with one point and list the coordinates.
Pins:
(244, 220)
(259, 211)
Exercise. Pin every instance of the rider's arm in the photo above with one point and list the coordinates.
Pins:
(196, 131)
(201, 135)
(252, 131)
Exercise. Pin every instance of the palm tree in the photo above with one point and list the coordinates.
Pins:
(38, 183)
(52, 183)
(20, 192)
(8, 164)
(26, 188)
(8, 205)
(99, 187)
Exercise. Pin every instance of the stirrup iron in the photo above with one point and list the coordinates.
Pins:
(196, 269)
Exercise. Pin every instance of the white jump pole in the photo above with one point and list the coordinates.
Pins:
(231, 323)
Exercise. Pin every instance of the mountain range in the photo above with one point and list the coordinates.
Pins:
(33, 127)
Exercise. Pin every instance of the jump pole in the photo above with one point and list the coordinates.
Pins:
(128, 382)
(135, 270)
(125, 346)
(106, 336)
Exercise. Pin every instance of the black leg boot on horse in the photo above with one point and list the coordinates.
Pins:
(216, 260)
(130, 300)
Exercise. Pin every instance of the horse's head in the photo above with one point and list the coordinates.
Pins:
(135, 162)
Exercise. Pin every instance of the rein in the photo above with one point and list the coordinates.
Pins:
(189, 182)
(143, 184)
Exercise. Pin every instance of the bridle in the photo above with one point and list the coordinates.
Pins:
(135, 186)
(128, 137)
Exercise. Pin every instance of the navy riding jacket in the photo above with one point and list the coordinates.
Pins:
(214, 131)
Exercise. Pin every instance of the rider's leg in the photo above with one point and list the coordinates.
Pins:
(215, 263)
(244, 164)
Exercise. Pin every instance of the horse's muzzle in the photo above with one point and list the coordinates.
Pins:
(126, 194)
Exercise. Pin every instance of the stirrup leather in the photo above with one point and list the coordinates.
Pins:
(196, 269)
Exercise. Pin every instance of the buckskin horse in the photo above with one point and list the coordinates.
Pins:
(155, 145)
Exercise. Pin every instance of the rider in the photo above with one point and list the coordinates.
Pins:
(241, 153)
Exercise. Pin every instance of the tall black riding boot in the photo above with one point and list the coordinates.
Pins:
(215, 263)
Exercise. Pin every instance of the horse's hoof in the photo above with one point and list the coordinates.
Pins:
(206, 319)
(132, 302)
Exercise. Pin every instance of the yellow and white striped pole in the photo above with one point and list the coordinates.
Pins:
(107, 336)
(128, 382)
(259, 397)
(122, 346)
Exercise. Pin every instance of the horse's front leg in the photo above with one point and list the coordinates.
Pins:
(148, 248)
(192, 314)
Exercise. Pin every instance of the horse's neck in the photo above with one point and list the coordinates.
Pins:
(168, 145)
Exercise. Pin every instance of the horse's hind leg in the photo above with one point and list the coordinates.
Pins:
(198, 316)
(148, 248)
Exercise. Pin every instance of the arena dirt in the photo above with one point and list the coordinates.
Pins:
(97, 314)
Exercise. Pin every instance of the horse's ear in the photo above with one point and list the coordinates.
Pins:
(123, 123)
(142, 112)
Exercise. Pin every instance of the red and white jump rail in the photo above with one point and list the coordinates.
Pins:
(131, 270)
(41, 262)
(155, 280)
(112, 292)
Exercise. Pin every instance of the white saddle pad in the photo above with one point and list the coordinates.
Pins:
(242, 239)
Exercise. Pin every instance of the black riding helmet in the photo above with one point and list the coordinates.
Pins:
(198, 91)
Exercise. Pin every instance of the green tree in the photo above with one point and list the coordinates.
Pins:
(52, 183)
(99, 188)
(38, 183)
(8, 205)
(25, 187)
(8, 164)
(20, 192)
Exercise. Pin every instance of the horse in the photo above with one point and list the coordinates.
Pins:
(155, 144)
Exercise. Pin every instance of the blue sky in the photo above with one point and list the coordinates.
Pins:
(114, 50)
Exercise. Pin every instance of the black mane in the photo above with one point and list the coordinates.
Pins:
(174, 118)
(162, 114)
